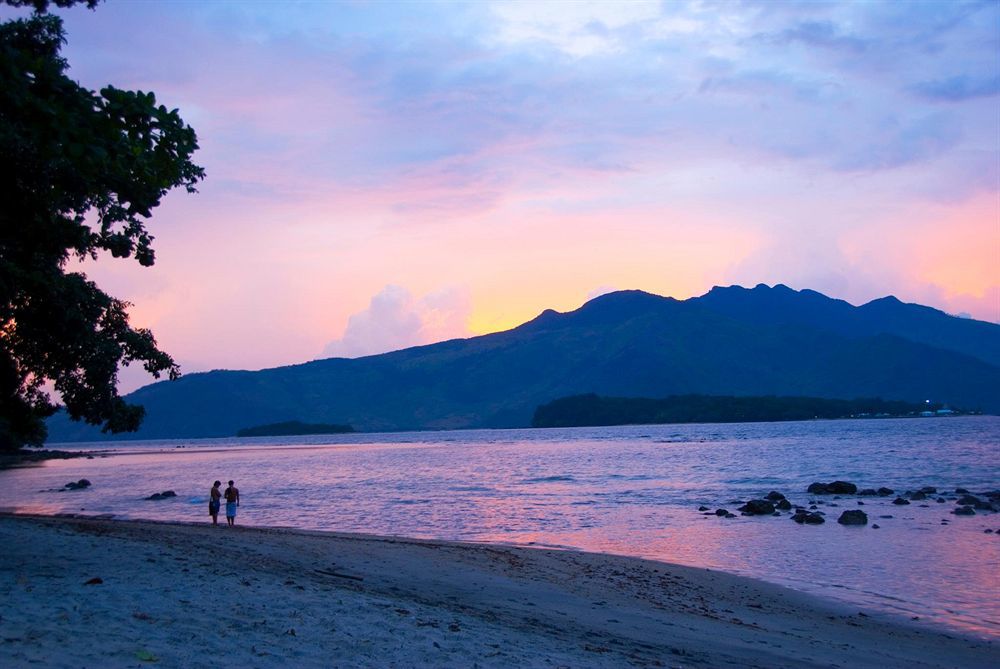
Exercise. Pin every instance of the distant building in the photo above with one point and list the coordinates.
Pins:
(944, 412)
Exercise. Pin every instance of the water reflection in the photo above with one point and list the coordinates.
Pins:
(632, 491)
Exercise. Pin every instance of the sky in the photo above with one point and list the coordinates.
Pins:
(386, 174)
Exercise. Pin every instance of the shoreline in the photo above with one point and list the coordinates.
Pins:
(28, 458)
(261, 596)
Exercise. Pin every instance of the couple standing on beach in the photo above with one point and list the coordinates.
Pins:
(232, 495)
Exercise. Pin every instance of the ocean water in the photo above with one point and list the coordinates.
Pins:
(629, 490)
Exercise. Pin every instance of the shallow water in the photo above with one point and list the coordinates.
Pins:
(630, 490)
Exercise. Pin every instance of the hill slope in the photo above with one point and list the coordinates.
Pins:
(732, 341)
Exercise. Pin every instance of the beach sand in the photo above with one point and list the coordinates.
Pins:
(175, 595)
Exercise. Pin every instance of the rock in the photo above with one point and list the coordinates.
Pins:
(987, 531)
(961, 491)
(928, 490)
(860, 503)
(853, 517)
(97, 580)
(940, 500)
(78, 485)
(983, 506)
(758, 507)
(868, 492)
(774, 496)
(967, 500)
(964, 511)
(166, 494)
(721, 512)
(885, 492)
(154, 496)
(835, 488)
(700, 508)
(917, 495)
(886, 516)
(842, 488)
(730, 515)
(900, 501)
(814, 519)
(784, 505)
(875, 526)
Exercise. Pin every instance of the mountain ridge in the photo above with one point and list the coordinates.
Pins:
(732, 340)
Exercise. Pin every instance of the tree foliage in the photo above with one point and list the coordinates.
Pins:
(81, 172)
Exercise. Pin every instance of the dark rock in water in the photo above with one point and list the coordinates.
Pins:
(917, 495)
(964, 511)
(875, 526)
(842, 488)
(940, 500)
(860, 503)
(853, 517)
(833, 504)
(983, 506)
(703, 508)
(900, 501)
(961, 491)
(166, 494)
(758, 507)
(868, 492)
(721, 512)
(928, 490)
(97, 580)
(925, 506)
(987, 531)
(774, 496)
(814, 519)
(885, 516)
(885, 492)
(77, 485)
(784, 505)
(835, 488)
(965, 500)
(813, 506)
(730, 515)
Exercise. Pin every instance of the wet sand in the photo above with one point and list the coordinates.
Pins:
(177, 595)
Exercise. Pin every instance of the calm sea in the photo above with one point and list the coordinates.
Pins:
(629, 490)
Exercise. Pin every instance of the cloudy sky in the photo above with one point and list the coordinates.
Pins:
(384, 174)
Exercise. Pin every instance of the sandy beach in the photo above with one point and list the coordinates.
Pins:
(179, 595)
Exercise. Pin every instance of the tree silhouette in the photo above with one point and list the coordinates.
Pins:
(80, 174)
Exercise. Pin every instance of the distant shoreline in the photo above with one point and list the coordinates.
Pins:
(363, 434)
(389, 601)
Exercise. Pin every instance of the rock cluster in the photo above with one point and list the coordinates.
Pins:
(166, 494)
(774, 502)
(77, 485)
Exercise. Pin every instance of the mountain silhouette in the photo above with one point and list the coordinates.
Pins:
(730, 341)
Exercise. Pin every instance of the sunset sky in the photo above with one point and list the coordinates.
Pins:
(387, 174)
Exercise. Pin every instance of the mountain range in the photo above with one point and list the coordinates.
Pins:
(730, 341)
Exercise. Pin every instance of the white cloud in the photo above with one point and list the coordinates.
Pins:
(396, 319)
